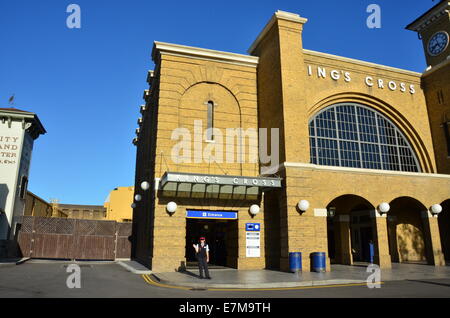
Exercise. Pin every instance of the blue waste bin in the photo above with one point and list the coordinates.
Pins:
(318, 262)
(295, 262)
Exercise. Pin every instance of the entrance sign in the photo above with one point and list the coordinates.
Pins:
(253, 240)
(202, 214)
(261, 182)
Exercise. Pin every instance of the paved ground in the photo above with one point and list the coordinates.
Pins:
(340, 274)
(48, 279)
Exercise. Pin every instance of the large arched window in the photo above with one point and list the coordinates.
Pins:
(353, 135)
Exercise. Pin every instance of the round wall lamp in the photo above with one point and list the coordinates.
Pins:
(133, 205)
(384, 208)
(303, 205)
(171, 207)
(436, 209)
(254, 209)
(137, 197)
(145, 185)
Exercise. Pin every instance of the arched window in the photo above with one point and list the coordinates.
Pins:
(353, 135)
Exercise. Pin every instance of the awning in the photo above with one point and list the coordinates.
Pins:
(221, 186)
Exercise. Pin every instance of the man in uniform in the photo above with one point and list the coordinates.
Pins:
(202, 255)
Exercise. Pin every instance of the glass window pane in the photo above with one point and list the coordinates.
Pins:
(352, 135)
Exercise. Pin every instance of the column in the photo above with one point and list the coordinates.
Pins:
(381, 240)
(342, 239)
(432, 239)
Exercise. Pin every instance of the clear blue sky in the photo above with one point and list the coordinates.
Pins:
(86, 84)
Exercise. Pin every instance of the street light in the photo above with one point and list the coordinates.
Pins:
(436, 209)
(145, 185)
(303, 205)
(171, 207)
(384, 207)
(254, 209)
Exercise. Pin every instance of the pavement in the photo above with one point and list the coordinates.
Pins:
(228, 278)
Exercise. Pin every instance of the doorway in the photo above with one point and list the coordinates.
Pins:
(221, 237)
(362, 235)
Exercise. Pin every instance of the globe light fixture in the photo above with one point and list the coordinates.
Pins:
(171, 207)
(303, 205)
(137, 197)
(254, 209)
(133, 205)
(436, 209)
(145, 185)
(384, 208)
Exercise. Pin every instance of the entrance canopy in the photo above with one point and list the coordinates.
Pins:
(223, 186)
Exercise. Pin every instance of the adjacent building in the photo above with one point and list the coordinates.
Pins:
(118, 204)
(18, 131)
(348, 154)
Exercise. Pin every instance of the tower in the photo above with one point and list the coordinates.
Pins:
(433, 28)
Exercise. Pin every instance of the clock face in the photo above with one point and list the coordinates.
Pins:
(438, 43)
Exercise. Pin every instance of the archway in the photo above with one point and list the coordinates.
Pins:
(406, 231)
(444, 229)
(350, 230)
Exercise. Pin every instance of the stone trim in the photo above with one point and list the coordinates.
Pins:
(362, 63)
(321, 212)
(361, 170)
(279, 15)
(203, 54)
(429, 17)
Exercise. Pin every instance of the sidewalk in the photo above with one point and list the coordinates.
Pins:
(339, 275)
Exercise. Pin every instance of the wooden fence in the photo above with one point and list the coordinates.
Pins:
(62, 238)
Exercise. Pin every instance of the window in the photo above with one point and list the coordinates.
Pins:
(23, 187)
(353, 135)
(446, 127)
(210, 121)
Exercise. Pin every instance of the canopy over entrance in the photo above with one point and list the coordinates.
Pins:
(221, 186)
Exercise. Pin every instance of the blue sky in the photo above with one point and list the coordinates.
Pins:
(86, 84)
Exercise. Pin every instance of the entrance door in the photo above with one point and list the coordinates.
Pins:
(219, 236)
(362, 236)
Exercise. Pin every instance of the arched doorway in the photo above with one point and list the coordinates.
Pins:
(350, 230)
(406, 231)
(444, 229)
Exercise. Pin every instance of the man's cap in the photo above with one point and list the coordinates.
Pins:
(202, 238)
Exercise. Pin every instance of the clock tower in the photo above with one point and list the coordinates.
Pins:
(433, 28)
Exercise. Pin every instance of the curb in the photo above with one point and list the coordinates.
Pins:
(330, 282)
(23, 260)
(134, 270)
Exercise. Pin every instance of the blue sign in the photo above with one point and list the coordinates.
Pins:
(201, 214)
(252, 227)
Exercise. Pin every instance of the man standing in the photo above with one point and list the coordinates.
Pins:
(202, 255)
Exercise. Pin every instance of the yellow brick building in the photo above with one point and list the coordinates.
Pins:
(118, 204)
(359, 153)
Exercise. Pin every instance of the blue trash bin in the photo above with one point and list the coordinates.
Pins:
(318, 262)
(295, 262)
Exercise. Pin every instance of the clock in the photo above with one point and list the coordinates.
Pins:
(438, 43)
